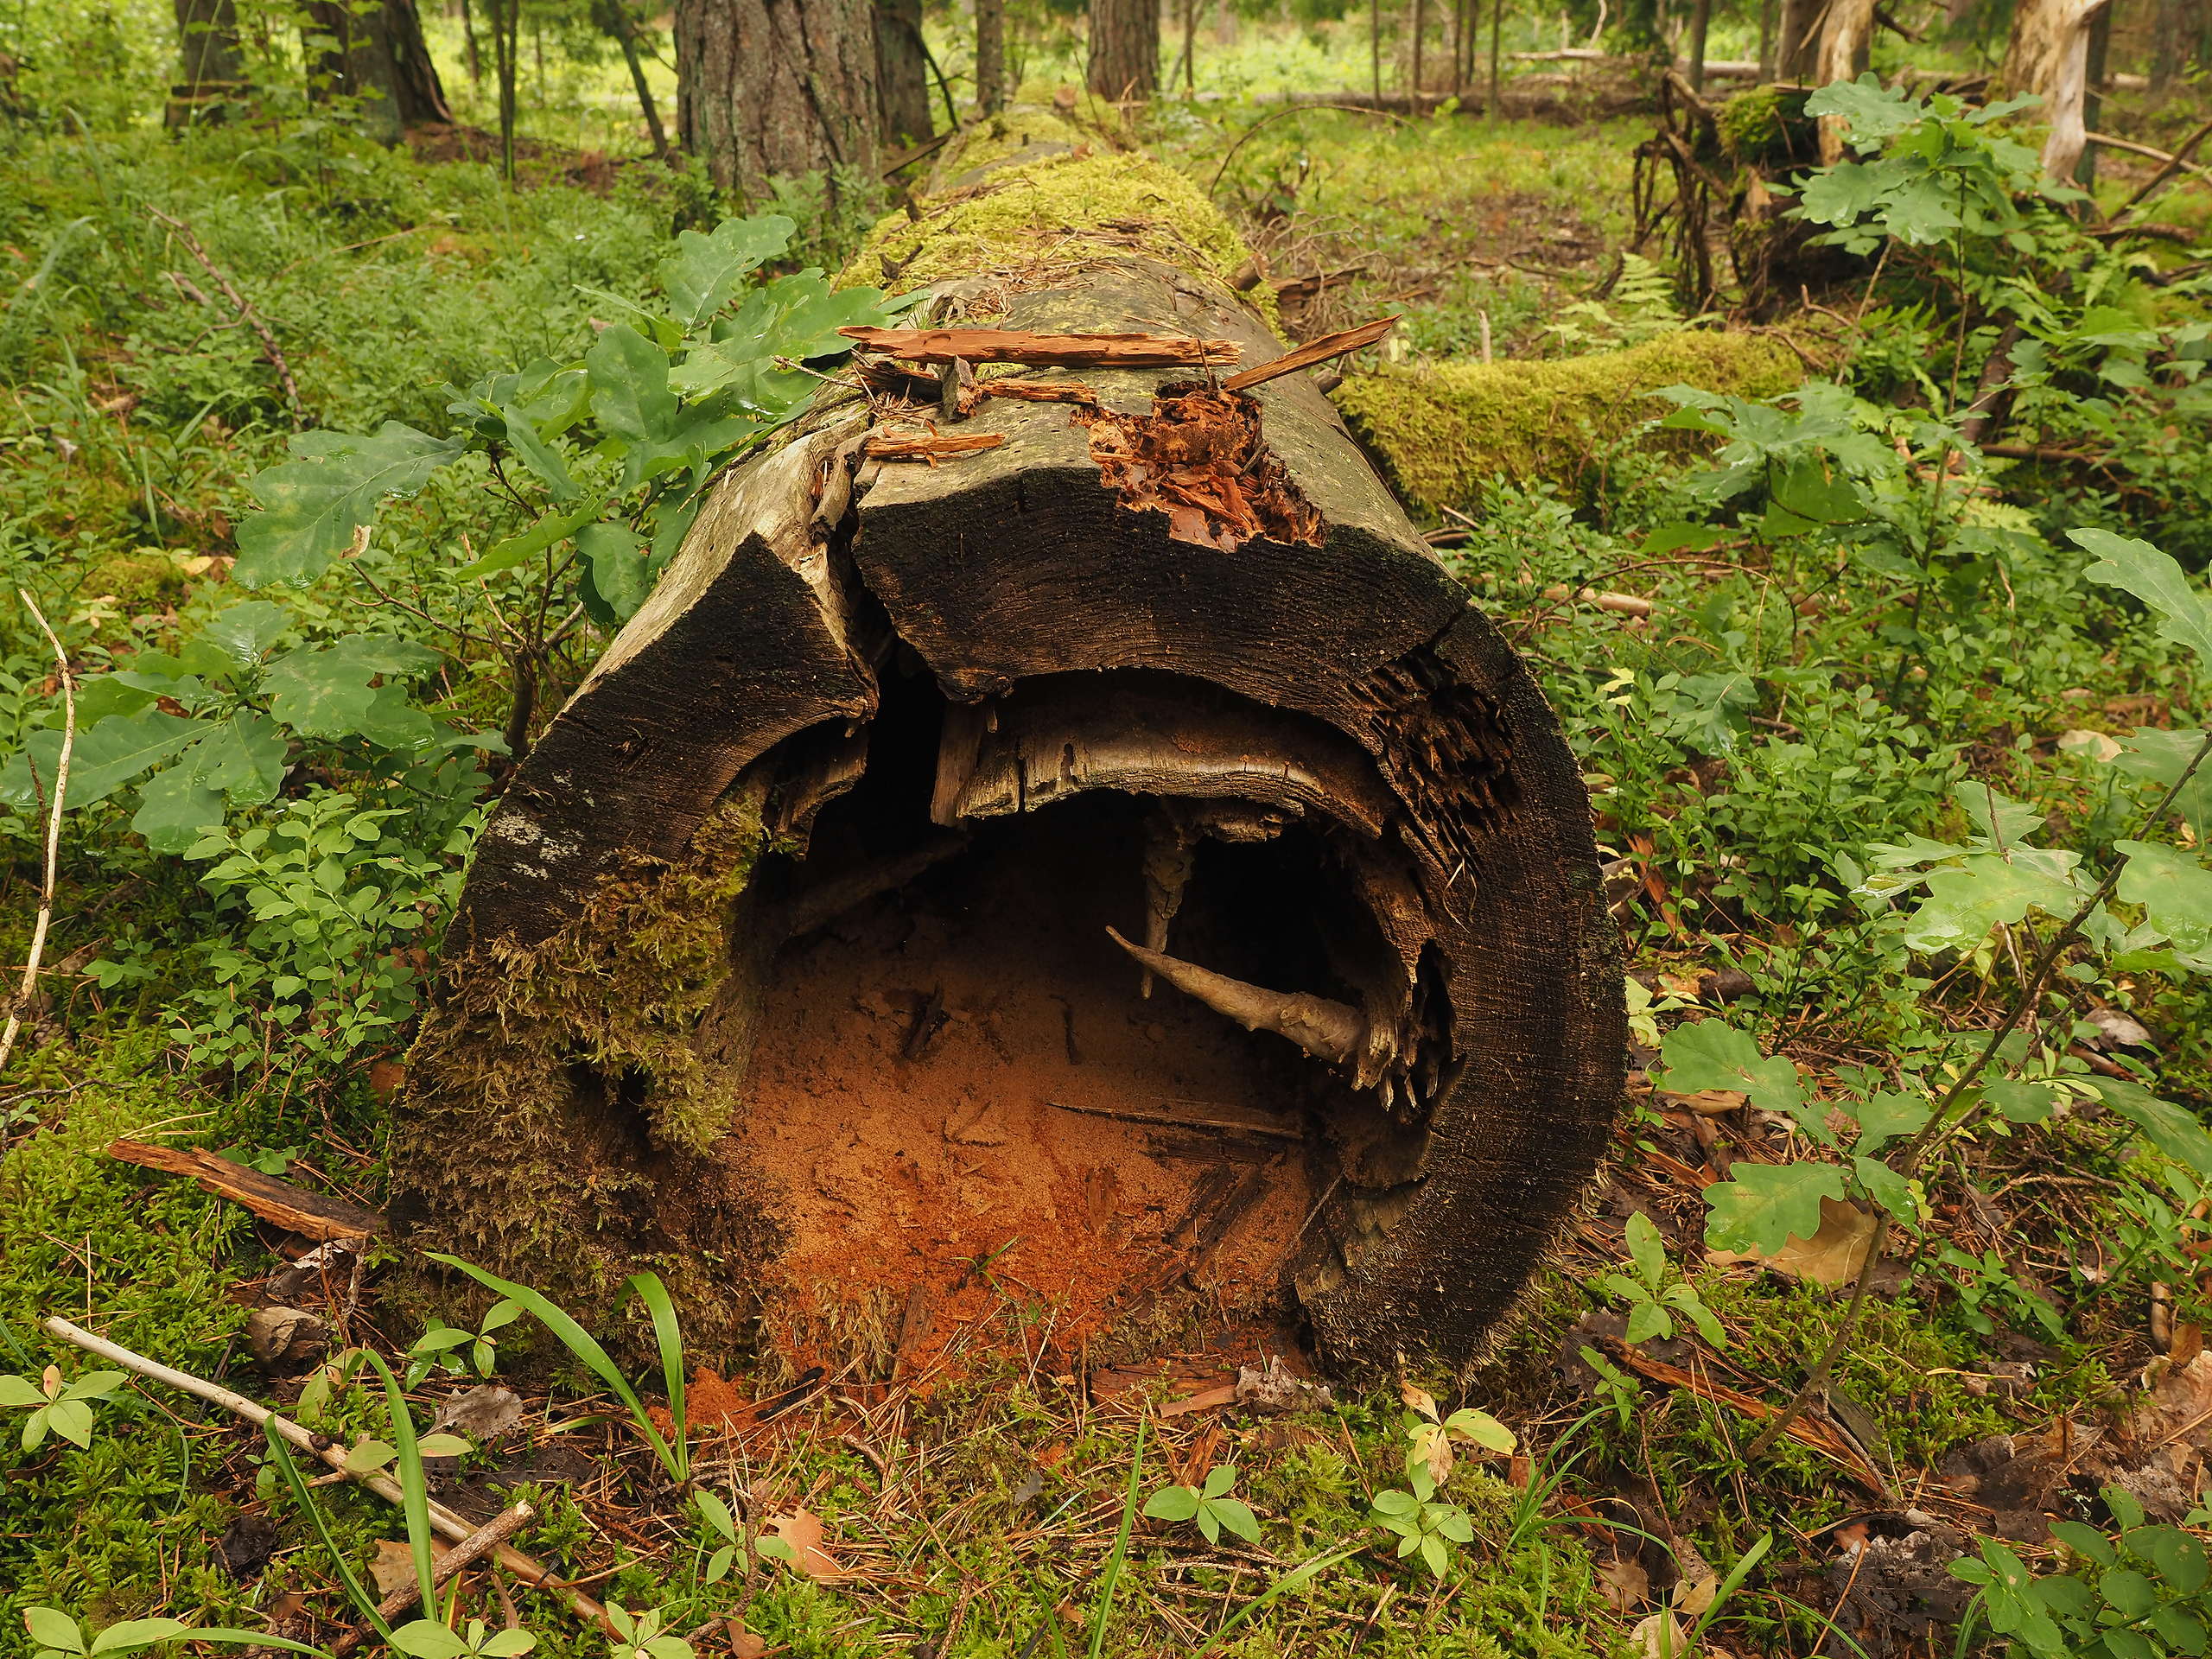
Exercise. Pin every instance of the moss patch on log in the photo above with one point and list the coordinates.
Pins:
(533, 1044)
(1050, 214)
(1443, 432)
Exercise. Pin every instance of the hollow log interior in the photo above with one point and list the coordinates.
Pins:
(959, 1083)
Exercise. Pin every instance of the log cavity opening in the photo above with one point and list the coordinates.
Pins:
(961, 1085)
(1201, 458)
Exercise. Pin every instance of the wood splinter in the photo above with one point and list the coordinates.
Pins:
(1052, 351)
(479, 1543)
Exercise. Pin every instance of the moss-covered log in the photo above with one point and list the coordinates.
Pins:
(1446, 430)
(1115, 869)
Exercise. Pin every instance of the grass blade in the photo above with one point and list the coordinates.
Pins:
(578, 1341)
(414, 1488)
(366, 1603)
(1112, 1576)
(670, 1335)
(1289, 1581)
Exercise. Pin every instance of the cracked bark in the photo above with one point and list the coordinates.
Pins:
(770, 89)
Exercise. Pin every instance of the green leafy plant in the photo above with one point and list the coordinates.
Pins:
(1430, 1437)
(426, 1638)
(673, 1450)
(610, 453)
(640, 1635)
(1423, 1526)
(1208, 1506)
(56, 1407)
(737, 1541)
(453, 1345)
(2142, 1592)
(57, 1635)
(1651, 1301)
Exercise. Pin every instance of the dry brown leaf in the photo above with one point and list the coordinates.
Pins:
(1833, 1255)
(1417, 1400)
(1624, 1583)
(394, 1565)
(1709, 1103)
(802, 1530)
(1694, 1595)
(1660, 1636)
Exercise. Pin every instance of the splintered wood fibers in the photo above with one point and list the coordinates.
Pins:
(907, 1095)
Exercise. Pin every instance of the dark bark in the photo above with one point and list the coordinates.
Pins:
(902, 75)
(474, 56)
(2169, 46)
(380, 58)
(771, 89)
(932, 668)
(1798, 38)
(207, 33)
(1124, 62)
(990, 55)
(613, 16)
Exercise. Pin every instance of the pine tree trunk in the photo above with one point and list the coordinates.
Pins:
(1797, 42)
(990, 55)
(1124, 62)
(379, 57)
(785, 968)
(613, 16)
(2047, 55)
(769, 89)
(902, 74)
(207, 32)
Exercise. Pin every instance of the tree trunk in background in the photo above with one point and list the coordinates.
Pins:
(613, 17)
(2085, 170)
(2048, 55)
(902, 75)
(990, 55)
(380, 58)
(1701, 21)
(1844, 38)
(771, 89)
(468, 40)
(2169, 47)
(1798, 35)
(415, 88)
(1124, 49)
(207, 32)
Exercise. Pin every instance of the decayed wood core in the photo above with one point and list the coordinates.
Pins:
(958, 1086)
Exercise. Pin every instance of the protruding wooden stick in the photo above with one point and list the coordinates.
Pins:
(443, 1519)
(478, 1544)
(22, 998)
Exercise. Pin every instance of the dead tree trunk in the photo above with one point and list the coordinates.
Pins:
(1116, 867)
(769, 89)
(1124, 60)
(2047, 55)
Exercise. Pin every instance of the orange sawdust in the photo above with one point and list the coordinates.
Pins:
(1200, 457)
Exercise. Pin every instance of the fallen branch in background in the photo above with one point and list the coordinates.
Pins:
(247, 315)
(319, 1217)
(319, 1447)
(22, 998)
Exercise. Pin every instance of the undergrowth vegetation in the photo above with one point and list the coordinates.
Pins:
(332, 473)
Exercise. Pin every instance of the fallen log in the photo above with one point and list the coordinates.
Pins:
(789, 963)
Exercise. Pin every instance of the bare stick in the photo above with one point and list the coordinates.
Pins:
(247, 315)
(479, 1543)
(22, 999)
(452, 1526)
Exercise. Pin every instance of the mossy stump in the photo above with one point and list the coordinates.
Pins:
(1112, 880)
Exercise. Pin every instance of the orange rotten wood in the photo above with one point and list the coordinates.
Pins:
(1118, 871)
(1057, 351)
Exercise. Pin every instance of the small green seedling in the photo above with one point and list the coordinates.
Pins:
(1652, 1301)
(640, 1636)
(1429, 1437)
(425, 1638)
(1209, 1506)
(1434, 1530)
(1619, 1389)
(764, 1546)
(439, 1342)
(58, 1408)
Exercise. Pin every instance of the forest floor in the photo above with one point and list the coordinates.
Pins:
(1776, 704)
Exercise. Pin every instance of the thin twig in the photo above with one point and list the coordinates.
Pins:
(247, 315)
(22, 999)
(2047, 960)
(321, 1447)
(2174, 162)
(478, 1544)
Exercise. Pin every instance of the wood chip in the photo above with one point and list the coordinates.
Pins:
(1211, 1400)
(318, 1216)
(930, 447)
(1314, 351)
(1060, 351)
